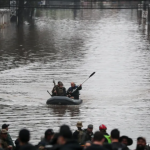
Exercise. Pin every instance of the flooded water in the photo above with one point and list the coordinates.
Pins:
(69, 45)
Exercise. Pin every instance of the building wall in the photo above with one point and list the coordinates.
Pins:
(4, 18)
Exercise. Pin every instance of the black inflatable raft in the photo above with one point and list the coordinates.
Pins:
(63, 100)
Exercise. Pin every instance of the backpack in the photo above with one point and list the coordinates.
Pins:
(80, 136)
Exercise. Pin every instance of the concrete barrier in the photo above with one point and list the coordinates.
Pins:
(4, 18)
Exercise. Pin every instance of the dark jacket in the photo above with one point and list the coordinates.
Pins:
(115, 146)
(104, 133)
(74, 91)
(106, 141)
(96, 147)
(78, 135)
(143, 148)
(59, 91)
(4, 143)
(54, 147)
(87, 136)
(9, 139)
(54, 89)
(17, 144)
(44, 142)
(147, 147)
(28, 147)
(71, 145)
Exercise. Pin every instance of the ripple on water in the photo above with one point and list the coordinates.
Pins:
(69, 48)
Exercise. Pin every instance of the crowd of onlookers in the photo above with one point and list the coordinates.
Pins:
(66, 140)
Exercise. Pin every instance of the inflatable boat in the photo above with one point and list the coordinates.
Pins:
(63, 100)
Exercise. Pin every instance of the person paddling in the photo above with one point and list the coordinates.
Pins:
(73, 91)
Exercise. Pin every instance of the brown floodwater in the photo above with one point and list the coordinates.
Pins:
(68, 45)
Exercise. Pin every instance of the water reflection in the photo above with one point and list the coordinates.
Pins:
(69, 45)
(61, 111)
(45, 47)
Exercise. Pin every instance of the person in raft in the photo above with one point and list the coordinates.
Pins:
(73, 91)
(59, 90)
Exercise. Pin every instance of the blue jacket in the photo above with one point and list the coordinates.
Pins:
(74, 91)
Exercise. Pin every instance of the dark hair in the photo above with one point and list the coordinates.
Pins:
(141, 138)
(98, 136)
(59, 82)
(49, 132)
(65, 132)
(24, 135)
(115, 134)
(54, 139)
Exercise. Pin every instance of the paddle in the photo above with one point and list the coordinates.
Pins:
(89, 77)
(85, 81)
(54, 82)
(49, 93)
(54, 86)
